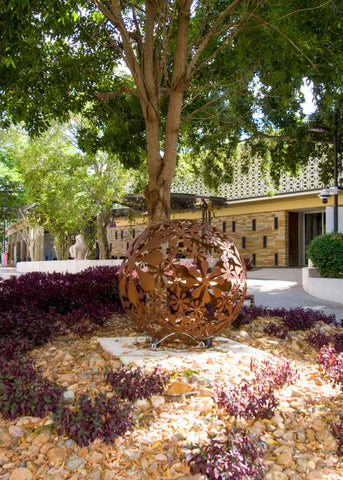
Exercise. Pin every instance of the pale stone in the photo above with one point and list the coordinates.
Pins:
(110, 475)
(160, 457)
(56, 456)
(203, 404)
(276, 476)
(311, 435)
(68, 395)
(5, 437)
(95, 473)
(83, 452)
(66, 378)
(285, 458)
(41, 439)
(301, 465)
(132, 454)
(316, 475)
(21, 473)
(46, 447)
(311, 465)
(330, 444)
(295, 476)
(96, 456)
(179, 388)
(157, 401)
(288, 436)
(205, 392)
(142, 405)
(323, 436)
(96, 360)
(16, 432)
(75, 462)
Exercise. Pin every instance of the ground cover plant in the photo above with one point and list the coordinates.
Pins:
(39, 306)
(256, 398)
(105, 416)
(240, 457)
(23, 391)
(101, 417)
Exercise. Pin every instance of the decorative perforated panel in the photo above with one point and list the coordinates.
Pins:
(255, 183)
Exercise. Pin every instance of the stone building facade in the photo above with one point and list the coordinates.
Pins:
(270, 230)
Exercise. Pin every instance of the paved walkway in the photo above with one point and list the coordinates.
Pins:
(281, 287)
(272, 287)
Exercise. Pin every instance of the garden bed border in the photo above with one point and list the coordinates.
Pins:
(63, 266)
(330, 289)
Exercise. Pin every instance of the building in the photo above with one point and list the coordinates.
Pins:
(26, 243)
(269, 229)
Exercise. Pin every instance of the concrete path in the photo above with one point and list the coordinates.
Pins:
(8, 272)
(281, 287)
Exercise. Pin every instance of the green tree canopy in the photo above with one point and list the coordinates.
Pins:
(218, 70)
(72, 191)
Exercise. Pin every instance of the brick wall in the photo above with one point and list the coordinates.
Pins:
(262, 237)
(119, 238)
(259, 236)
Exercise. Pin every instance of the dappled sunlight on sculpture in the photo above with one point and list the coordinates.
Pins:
(79, 250)
(182, 280)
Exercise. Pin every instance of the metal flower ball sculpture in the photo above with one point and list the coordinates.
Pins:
(182, 280)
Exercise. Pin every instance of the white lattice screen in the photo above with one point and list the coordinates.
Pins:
(255, 184)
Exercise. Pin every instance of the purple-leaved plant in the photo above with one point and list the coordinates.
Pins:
(256, 398)
(332, 364)
(103, 417)
(134, 384)
(23, 391)
(240, 457)
(337, 431)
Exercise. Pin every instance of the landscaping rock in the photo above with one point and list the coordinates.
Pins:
(299, 443)
(75, 462)
(56, 456)
(5, 437)
(21, 474)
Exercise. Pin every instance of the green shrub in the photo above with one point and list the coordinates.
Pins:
(326, 254)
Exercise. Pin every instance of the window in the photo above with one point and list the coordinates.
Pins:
(127, 246)
(121, 233)
(276, 223)
(254, 224)
(224, 227)
(233, 226)
(254, 258)
(264, 241)
(243, 242)
(276, 259)
(133, 233)
(116, 235)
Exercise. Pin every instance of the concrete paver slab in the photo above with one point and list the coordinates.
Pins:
(131, 349)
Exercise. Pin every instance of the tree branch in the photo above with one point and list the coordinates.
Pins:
(211, 34)
(106, 95)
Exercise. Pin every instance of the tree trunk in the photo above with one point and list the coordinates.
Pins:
(101, 235)
(162, 168)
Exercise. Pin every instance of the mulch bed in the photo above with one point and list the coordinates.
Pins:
(298, 438)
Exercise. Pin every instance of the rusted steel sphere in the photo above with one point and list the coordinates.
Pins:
(182, 280)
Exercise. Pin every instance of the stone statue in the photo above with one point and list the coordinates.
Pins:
(79, 250)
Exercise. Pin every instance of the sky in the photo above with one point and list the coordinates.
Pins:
(308, 105)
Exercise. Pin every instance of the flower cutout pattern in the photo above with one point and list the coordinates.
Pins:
(182, 280)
